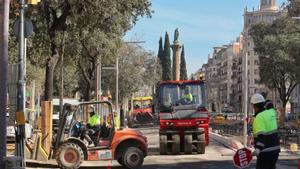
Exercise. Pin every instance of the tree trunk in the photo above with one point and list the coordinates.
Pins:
(87, 95)
(283, 113)
(50, 66)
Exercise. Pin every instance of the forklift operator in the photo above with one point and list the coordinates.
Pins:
(94, 119)
(93, 126)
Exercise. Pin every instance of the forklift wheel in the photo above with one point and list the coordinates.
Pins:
(69, 156)
(133, 158)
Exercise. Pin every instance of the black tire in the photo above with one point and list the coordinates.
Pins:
(176, 144)
(163, 144)
(188, 144)
(201, 144)
(120, 161)
(133, 158)
(69, 156)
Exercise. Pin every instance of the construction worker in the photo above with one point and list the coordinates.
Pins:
(93, 127)
(266, 140)
(188, 97)
(94, 119)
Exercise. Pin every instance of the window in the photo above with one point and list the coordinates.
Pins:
(256, 62)
(256, 71)
(248, 62)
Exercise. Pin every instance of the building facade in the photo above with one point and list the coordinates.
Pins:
(267, 13)
(225, 71)
(223, 79)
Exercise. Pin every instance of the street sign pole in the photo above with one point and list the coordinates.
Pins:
(20, 117)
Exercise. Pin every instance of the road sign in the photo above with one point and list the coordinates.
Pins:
(242, 158)
(28, 27)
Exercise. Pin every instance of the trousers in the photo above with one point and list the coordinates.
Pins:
(267, 160)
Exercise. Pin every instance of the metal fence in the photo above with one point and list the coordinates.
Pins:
(287, 134)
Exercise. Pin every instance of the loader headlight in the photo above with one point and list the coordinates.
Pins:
(169, 123)
(200, 122)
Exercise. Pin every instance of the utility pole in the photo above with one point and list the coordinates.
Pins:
(246, 102)
(98, 80)
(117, 87)
(61, 93)
(4, 21)
(20, 116)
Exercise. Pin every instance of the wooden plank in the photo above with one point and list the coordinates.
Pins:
(46, 125)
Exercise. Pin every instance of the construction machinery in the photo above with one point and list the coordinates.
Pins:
(184, 121)
(127, 146)
(141, 112)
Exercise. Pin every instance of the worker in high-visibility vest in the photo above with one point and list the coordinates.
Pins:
(93, 127)
(117, 121)
(187, 97)
(266, 139)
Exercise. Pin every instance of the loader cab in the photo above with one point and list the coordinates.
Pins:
(173, 94)
(142, 103)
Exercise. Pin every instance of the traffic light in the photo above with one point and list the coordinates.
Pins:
(33, 2)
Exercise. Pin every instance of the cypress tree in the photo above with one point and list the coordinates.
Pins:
(167, 68)
(183, 71)
(160, 50)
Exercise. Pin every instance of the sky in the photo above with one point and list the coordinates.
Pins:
(202, 24)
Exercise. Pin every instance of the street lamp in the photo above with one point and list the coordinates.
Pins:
(116, 68)
(246, 102)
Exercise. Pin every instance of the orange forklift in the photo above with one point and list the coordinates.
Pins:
(183, 117)
(127, 146)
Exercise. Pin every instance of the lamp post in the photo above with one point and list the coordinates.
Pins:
(20, 118)
(298, 91)
(116, 68)
(246, 102)
(4, 22)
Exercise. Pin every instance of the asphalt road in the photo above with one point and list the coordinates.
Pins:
(216, 157)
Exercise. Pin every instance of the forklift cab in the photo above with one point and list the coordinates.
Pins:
(74, 123)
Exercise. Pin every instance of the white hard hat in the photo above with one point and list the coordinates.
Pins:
(257, 98)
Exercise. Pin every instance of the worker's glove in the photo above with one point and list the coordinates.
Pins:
(256, 152)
